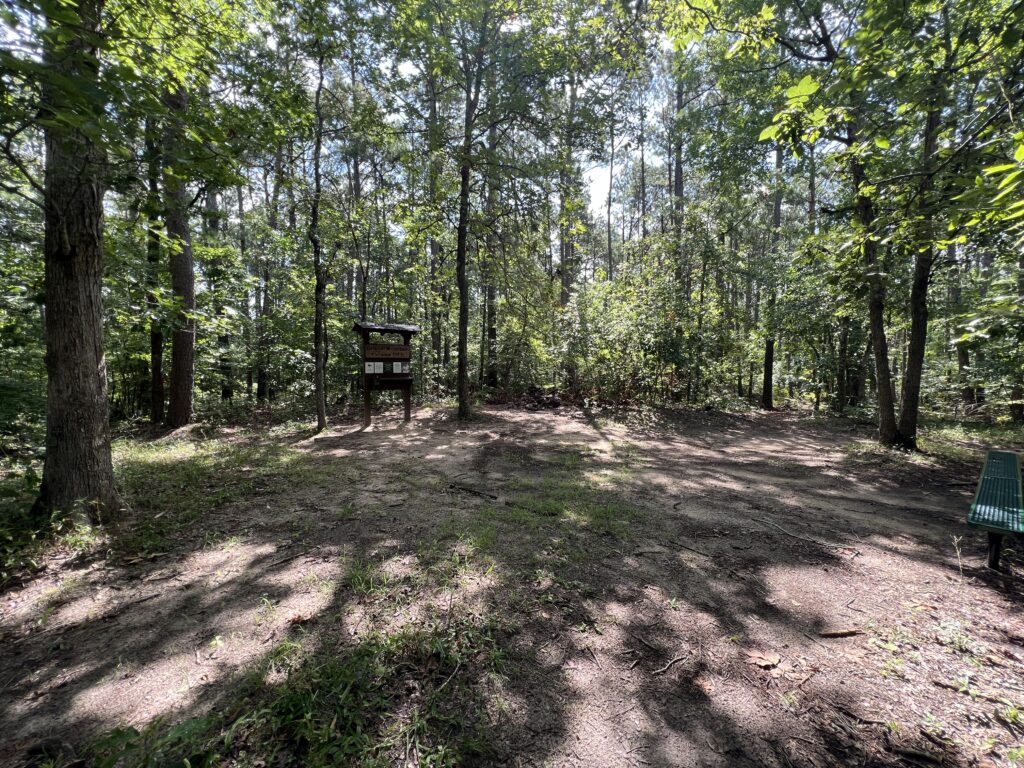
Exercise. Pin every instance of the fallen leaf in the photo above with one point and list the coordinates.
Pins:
(763, 660)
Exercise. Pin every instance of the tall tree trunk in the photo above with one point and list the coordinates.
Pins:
(461, 279)
(473, 73)
(433, 244)
(923, 263)
(490, 377)
(265, 304)
(963, 355)
(217, 273)
(643, 169)
(611, 187)
(156, 333)
(320, 272)
(182, 267)
(843, 367)
(768, 377)
(78, 475)
(888, 433)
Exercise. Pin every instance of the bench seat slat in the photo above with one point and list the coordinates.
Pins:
(997, 503)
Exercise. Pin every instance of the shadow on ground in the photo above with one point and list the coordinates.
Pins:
(530, 589)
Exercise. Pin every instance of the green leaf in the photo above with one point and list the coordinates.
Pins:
(999, 168)
(804, 88)
(882, 143)
(769, 133)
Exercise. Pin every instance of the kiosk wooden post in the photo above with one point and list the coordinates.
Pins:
(386, 366)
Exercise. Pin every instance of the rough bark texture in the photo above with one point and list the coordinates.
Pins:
(182, 267)
(768, 377)
(463, 284)
(923, 262)
(888, 434)
(473, 73)
(78, 475)
(156, 331)
(320, 272)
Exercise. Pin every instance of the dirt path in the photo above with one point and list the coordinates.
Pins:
(560, 589)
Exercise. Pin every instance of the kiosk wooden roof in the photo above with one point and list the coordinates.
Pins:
(365, 326)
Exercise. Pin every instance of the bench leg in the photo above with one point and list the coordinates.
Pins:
(995, 548)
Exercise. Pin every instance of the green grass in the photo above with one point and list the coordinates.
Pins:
(169, 484)
(344, 705)
(573, 501)
(967, 441)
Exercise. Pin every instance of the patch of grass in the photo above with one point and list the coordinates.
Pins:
(574, 502)
(368, 579)
(347, 705)
(322, 585)
(171, 484)
(966, 441)
(956, 636)
(24, 539)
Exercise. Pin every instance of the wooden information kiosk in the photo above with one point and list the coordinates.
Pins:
(386, 366)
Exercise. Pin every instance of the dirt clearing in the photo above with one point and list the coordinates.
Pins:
(530, 588)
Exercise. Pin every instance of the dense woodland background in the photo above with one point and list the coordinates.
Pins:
(803, 203)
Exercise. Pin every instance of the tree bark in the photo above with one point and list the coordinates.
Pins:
(78, 475)
(611, 187)
(320, 272)
(768, 377)
(888, 433)
(182, 267)
(156, 332)
(490, 377)
(473, 74)
(923, 262)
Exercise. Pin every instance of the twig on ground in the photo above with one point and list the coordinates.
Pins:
(850, 606)
(637, 637)
(668, 666)
(840, 632)
(473, 491)
(675, 543)
(817, 542)
(288, 559)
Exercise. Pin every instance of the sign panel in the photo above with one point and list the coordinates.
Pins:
(388, 352)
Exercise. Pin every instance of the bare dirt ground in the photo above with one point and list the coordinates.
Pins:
(529, 589)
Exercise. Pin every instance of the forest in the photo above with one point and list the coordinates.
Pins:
(642, 239)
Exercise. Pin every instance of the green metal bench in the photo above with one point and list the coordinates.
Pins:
(997, 506)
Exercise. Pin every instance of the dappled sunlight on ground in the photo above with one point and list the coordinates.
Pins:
(528, 589)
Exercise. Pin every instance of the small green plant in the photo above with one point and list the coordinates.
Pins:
(894, 667)
(266, 611)
(1010, 714)
(346, 512)
(954, 634)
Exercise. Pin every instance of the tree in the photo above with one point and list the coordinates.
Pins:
(78, 473)
(182, 266)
